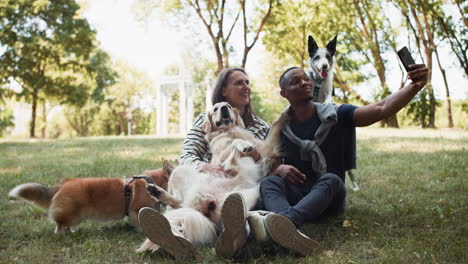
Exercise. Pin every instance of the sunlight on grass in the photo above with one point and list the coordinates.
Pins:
(363, 133)
(417, 147)
(168, 153)
(10, 170)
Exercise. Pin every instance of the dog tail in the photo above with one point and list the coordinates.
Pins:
(34, 193)
(271, 144)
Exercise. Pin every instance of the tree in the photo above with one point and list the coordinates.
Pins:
(45, 44)
(323, 22)
(219, 18)
(97, 76)
(423, 26)
(6, 115)
(456, 35)
(372, 34)
(122, 99)
(6, 119)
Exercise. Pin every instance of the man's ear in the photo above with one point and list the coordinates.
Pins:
(207, 127)
(283, 93)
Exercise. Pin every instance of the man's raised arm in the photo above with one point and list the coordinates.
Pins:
(369, 114)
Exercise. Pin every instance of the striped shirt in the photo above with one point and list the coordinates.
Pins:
(196, 149)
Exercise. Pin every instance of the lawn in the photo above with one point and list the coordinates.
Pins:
(412, 206)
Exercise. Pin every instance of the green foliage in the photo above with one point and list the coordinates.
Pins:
(420, 107)
(121, 102)
(6, 119)
(47, 48)
(323, 22)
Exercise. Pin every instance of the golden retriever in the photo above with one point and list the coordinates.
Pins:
(206, 192)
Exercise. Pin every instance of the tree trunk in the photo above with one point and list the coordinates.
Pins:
(247, 47)
(447, 92)
(33, 114)
(465, 21)
(426, 37)
(371, 36)
(121, 123)
(44, 119)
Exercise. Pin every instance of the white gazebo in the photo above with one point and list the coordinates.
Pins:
(172, 84)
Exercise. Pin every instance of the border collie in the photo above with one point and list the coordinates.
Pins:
(321, 62)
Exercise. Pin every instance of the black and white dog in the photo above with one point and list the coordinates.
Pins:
(321, 62)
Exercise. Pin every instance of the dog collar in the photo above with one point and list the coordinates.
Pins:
(128, 189)
(317, 85)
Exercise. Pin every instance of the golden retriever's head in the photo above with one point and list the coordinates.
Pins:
(222, 115)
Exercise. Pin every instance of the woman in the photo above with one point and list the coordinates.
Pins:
(232, 86)
(179, 230)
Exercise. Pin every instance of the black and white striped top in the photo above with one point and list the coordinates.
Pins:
(196, 149)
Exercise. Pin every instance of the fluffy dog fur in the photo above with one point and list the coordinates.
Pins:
(205, 193)
(79, 199)
(321, 62)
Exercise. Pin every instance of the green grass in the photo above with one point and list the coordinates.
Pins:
(412, 206)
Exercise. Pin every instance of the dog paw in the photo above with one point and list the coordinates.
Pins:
(153, 190)
(243, 146)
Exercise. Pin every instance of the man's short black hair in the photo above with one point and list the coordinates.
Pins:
(282, 76)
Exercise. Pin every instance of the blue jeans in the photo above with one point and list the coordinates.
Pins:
(306, 202)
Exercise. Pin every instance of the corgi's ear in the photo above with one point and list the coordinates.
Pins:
(239, 121)
(167, 168)
(207, 127)
(331, 46)
(312, 46)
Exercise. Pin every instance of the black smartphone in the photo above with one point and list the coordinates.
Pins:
(405, 57)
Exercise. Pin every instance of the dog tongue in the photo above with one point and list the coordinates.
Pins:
(324, 74)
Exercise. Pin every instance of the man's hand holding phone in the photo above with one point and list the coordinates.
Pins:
(418, 73)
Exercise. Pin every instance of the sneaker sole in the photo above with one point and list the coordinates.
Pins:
(234, 235)
(158, 229)
(285, 233)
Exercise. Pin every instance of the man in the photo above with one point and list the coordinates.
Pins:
(310, 183)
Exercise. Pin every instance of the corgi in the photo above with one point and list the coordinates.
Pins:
(79, 199)
(321, 62)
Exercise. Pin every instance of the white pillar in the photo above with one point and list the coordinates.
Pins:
(165, 113)
(182, 106)
(159, 122)
(209, 93)
(189, 121)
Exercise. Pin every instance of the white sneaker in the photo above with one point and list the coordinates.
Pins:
(284, 232)
(234, 235)
(158, 229)
(256, 220)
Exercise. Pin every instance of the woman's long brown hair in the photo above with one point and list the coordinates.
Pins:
(217, 97)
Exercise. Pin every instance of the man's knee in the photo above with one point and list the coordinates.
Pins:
(333, 180)
(271, 181)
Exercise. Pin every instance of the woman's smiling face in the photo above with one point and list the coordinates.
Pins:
(237, 90)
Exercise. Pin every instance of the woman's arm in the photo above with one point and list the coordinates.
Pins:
(195, 148)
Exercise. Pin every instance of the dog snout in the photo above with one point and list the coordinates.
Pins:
(225, 112)
(211, 205)
(325, 67)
